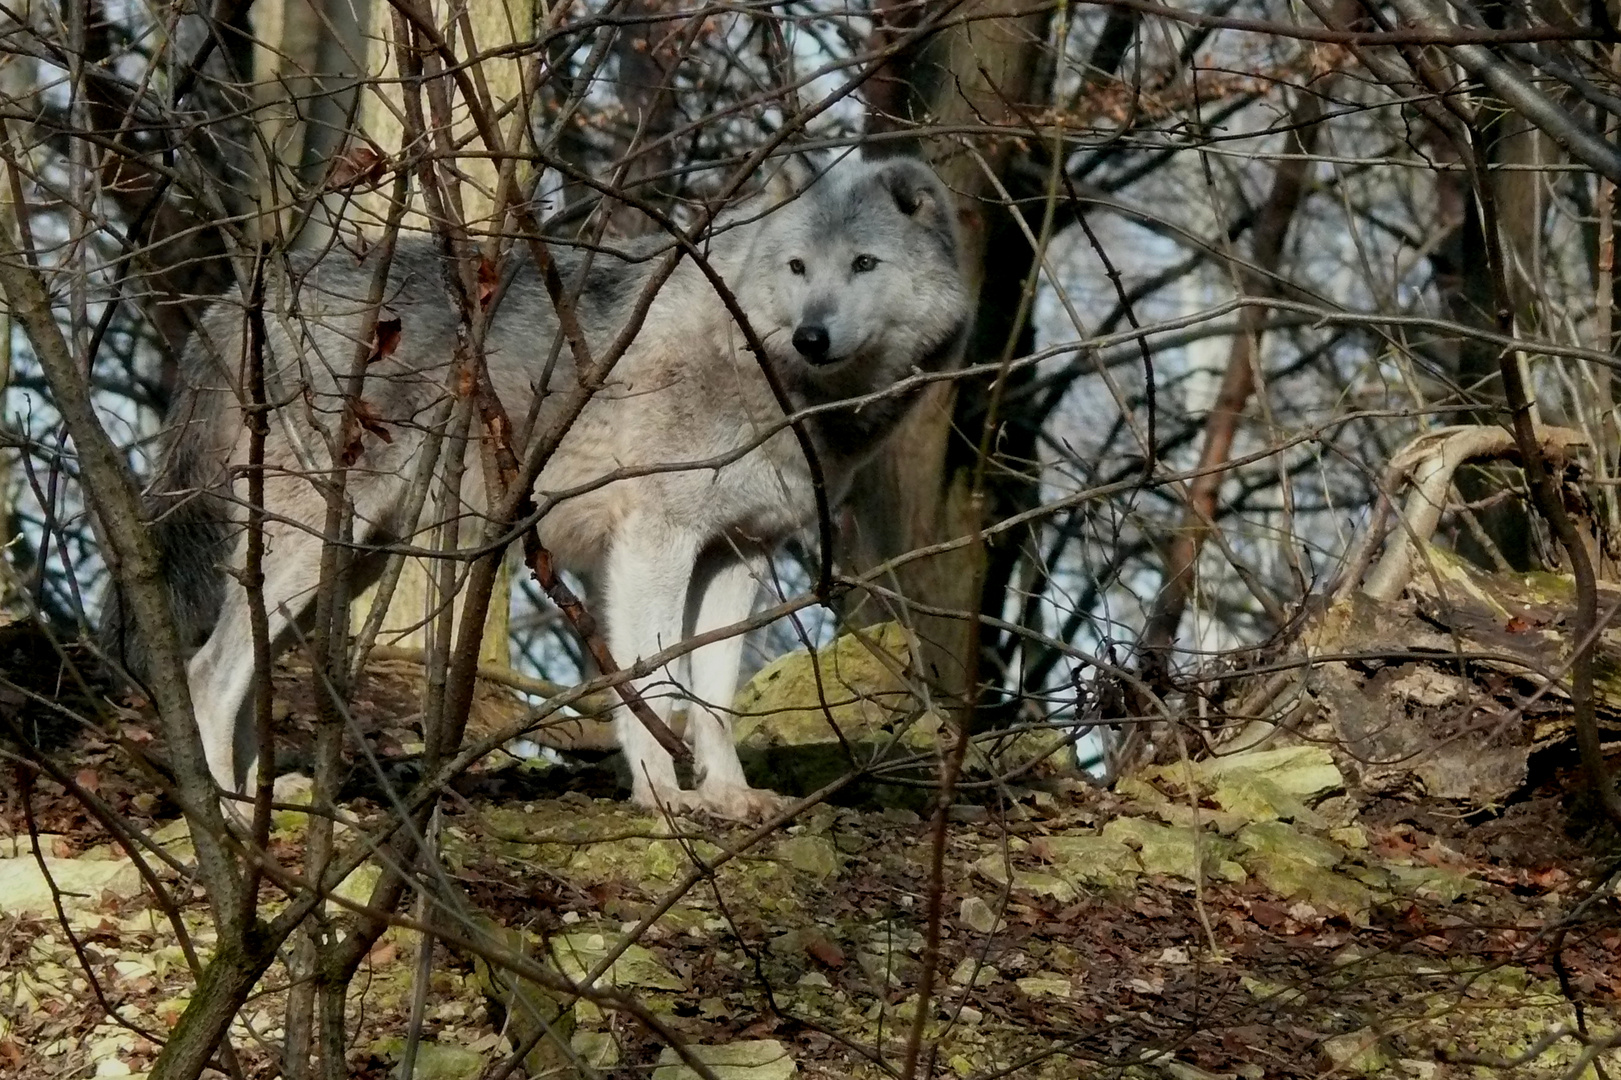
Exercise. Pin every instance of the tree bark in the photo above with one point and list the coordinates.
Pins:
(134, 559)
(917, 491)
(308, 62)
(178, 257)
(417, 598)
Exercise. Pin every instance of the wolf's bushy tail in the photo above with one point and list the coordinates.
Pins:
(191, 525)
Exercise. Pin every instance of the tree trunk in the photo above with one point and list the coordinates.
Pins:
(178, 254)
(916, 493)
(1462, 273)
(308, 60)
(417, 598)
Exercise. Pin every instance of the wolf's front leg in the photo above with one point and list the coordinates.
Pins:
(221, 672)
(728, 596)
(650, 566)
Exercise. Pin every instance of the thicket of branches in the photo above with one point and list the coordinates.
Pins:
(1230, 258)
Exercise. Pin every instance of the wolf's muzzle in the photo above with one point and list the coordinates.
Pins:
(812, 343)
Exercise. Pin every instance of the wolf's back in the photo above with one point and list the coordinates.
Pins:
(189, 502)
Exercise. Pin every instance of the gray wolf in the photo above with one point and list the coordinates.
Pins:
(853, 285)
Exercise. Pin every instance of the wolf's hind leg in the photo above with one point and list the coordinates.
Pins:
(649, 571)
(727, 597)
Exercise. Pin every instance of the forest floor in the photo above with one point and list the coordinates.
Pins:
(1238, 918)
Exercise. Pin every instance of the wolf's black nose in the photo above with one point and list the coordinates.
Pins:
(812, 342)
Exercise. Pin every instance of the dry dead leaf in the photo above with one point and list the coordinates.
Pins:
(367, 417)
(760, 1028)
(385, 337)
(488, 279)
(360, 165)
(824, 951)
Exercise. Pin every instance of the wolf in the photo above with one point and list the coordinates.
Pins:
(852, 284)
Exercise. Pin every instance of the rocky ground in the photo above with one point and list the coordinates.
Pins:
(1408, 888)
(1233, 918)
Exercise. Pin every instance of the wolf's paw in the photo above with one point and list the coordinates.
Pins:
(740, 802)
(663, 800)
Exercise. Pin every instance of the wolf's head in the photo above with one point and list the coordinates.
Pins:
(857, 279)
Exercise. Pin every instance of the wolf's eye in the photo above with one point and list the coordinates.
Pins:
(797, 266)
(864, 263)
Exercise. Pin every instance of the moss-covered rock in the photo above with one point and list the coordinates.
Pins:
(813, 855)
(857, 684)
(1045, 984)
(1295, 773)
(530, 1015)
(1299, 866)
(1023, 754)
(81, 882)
(995, 868)
(978, 916)
(759, 1059)
(1092, 858)
(578, 953)
(807, 717)
(434, 1060)
(1173, 850)
(1360, 1053)
(588, 843)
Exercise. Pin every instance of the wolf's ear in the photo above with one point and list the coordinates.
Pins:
(915, 189)
(789, 176)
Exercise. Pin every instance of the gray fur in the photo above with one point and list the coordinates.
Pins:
(680, 551)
